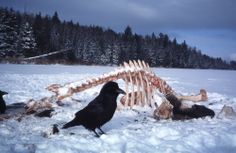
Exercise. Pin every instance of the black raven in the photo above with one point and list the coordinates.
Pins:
(98, 111)
(2, 102)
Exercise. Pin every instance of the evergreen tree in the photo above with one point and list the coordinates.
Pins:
(233, 64)
(55, 18)
(55, 33)
(26, 41)
(128, 33)
(8, 33)
(41, 28)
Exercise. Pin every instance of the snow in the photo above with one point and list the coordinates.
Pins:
(129, 130)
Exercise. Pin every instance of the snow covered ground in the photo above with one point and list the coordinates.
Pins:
(129, 130)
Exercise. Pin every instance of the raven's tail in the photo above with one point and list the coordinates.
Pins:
(74, 122)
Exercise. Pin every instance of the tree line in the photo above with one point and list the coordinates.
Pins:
(25, 35)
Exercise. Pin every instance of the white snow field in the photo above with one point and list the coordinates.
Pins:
(129, 131)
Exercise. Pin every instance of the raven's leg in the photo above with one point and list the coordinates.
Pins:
(101, 130)
(97, 135)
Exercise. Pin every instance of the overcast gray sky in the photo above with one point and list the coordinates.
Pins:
(209, 25)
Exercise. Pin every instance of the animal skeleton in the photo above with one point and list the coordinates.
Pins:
(137, 76)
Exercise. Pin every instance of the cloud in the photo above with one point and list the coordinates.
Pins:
(196, 14)
(141, 11)
(152, 14)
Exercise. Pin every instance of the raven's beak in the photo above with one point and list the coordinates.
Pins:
(120, 91)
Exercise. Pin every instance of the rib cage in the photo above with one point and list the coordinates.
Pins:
(136, 74)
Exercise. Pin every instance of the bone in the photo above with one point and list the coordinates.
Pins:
(126, 65)
(202, 96)
(131, 80)
(141, 84)
(132, 92)
(127, 91)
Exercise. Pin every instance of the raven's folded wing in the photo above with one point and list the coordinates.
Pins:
(92, 109)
